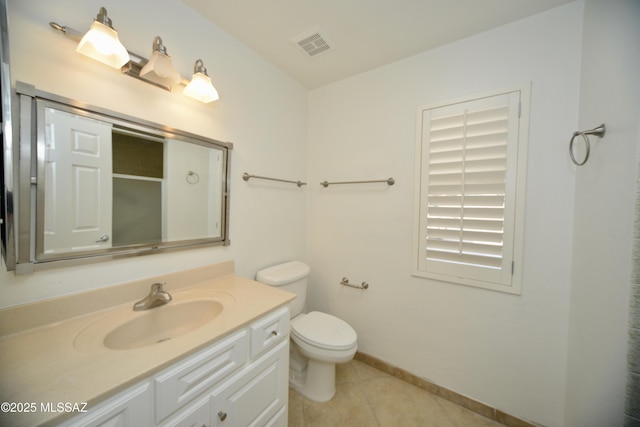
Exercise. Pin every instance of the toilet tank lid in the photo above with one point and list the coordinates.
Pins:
(282, 274)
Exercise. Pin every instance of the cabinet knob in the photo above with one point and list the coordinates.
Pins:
(222, 415)
(274, 333)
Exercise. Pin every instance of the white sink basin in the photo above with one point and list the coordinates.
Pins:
(162, 323)
(125, 329)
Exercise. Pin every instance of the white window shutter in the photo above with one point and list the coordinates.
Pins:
(467, 196)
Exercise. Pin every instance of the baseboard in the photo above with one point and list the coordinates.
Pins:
(466, 402)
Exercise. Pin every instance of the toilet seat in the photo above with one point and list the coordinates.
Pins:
(324, 331)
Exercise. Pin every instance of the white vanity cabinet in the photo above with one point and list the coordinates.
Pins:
(238, 381)
(255, 396)
(187, 379)
(131, 408)
(196, 415)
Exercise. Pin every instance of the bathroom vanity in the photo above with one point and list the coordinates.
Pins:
(216, 355)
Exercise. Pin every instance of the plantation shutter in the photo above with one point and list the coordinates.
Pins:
(467, 186)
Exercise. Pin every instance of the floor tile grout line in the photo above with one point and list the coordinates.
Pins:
(366, 398)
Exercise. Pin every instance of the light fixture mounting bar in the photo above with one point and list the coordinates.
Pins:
(199, 87)
(131, 68)
(69, 32)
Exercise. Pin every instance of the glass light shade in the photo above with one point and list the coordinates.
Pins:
(160, 70)
(102, 44)
(200, 88)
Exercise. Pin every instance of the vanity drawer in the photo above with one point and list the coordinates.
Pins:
(189, 378)
(198, 414)
(255, 396)
(268, 331)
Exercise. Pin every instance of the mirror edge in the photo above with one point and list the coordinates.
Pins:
(8, 153)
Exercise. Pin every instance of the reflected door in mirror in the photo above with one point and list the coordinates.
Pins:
(77, 156)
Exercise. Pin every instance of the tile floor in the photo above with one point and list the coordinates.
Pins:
(367, 397)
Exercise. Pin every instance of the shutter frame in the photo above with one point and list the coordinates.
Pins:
(470, 156)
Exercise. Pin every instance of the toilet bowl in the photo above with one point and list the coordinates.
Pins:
(324, 340)
(318, 340)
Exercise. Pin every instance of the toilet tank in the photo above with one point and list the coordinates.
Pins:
(291, 276)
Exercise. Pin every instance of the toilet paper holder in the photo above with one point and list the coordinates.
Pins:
(345, 282)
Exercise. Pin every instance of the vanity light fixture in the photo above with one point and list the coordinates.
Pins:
(102, 44)
(160, 68)
(200, 87)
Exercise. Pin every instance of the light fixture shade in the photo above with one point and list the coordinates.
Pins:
(200, 87)
(159, 69)
(102, 44)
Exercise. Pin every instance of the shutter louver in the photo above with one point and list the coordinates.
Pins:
(466, 212)
(466, 191)
(470, 191)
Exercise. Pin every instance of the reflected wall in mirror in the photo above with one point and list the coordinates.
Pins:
(106, 184)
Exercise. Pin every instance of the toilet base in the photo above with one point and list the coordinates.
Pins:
(313, 379)
(320, 382)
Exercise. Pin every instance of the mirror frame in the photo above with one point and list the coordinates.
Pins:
(27, 220)
(7, 154)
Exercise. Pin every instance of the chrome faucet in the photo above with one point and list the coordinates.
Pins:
(156, 297)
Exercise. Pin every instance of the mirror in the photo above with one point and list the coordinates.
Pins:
(6, 143)
(106, 184)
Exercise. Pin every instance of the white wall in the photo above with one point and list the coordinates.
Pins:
(508, 351)
(261, 110)
(604, 199)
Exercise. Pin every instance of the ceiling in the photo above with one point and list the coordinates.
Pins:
(361, 34)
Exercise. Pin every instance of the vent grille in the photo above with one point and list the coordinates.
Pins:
(313, 42)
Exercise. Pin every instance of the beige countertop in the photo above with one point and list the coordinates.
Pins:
(43, 362)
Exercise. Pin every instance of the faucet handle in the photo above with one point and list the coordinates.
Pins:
(157, 287)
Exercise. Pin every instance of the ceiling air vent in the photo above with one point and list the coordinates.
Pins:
(313, 42)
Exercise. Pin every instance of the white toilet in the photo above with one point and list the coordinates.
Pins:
(319, 340)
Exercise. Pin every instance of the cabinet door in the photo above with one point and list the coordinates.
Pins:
(197, 415)
(129, 409)
(281, 419)
(256, 394)
(188, 379)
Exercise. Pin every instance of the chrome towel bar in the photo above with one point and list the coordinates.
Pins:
(599, 132)
(389, 181)
(345, 282)
(246, 177)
